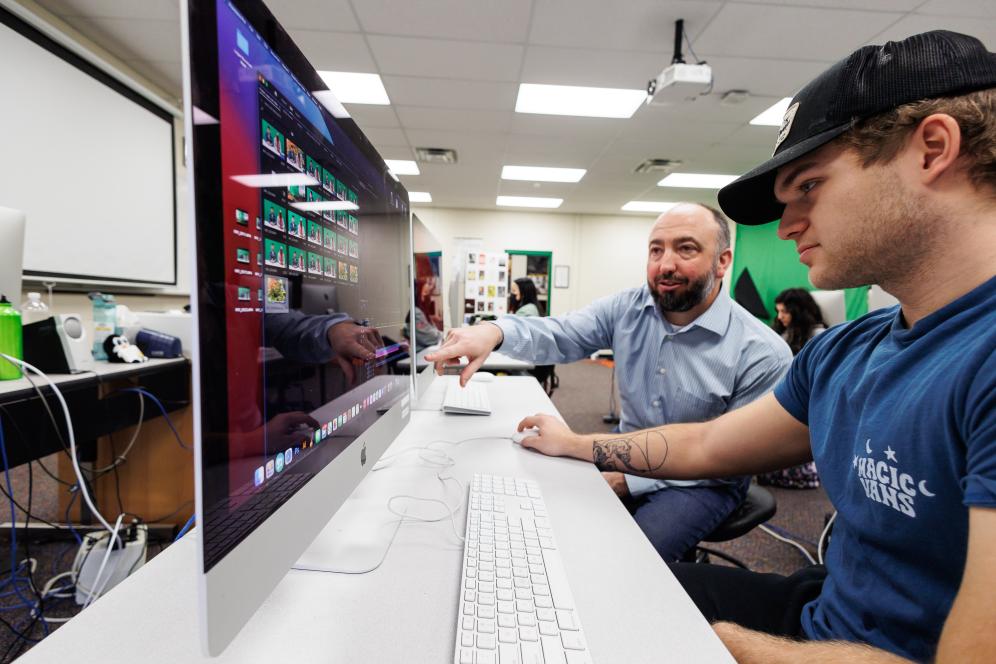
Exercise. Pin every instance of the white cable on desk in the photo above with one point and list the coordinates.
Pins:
(443, 461)
(72, 438)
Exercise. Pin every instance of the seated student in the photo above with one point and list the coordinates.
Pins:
(524, 301)
(684, 352)
(884, 173)
(799, 319)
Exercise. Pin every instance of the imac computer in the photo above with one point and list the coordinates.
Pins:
(11, 254)
(302, 246)
(427, 254)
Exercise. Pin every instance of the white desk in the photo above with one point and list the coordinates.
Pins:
(632, 608)
(494, 362)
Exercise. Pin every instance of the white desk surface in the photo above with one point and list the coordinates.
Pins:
(495, 362)
(632, 608)
(100, 370)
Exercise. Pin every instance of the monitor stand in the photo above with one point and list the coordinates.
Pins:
(355, 541)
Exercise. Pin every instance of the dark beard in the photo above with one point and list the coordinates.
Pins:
(682, 300)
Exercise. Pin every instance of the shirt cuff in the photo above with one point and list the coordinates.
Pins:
(640, 485)
(513, 342)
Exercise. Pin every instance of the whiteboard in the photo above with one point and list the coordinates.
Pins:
(89, 162)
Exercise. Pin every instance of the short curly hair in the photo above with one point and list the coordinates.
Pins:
(879, 139)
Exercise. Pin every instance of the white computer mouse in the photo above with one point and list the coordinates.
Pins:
(483, 377)
(519, 436)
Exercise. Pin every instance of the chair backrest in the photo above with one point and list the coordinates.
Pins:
(758, 506)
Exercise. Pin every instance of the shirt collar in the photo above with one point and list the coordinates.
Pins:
(715, 319)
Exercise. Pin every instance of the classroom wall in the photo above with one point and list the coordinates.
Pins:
(183, 285)
(605, 253)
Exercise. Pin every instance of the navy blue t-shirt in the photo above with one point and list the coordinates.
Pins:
(903, 429)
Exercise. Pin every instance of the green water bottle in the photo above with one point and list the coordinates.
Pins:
(10, 339)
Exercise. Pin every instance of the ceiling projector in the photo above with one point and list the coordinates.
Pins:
(679, 82)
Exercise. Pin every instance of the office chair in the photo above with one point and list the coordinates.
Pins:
(757, 507)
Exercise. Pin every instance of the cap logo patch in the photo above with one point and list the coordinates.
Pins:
(786, 125)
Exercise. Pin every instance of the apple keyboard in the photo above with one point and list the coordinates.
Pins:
(515, 603)
(470, 400)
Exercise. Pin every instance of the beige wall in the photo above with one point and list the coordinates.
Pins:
(605, 253)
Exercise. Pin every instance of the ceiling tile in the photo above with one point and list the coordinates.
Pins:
(134, 38)
(976, 8)
(505, 21)
(592, 67)
(370, 115)
(385, 135)
(163, 10)
(335, 51)
(869, 5)
(331, 15)
(914, 24)
(761, 77)
(470, 145)
(442, 93)
(816, 34)
(480, 61)
(567, 126)
(417, 117)
(635, 25)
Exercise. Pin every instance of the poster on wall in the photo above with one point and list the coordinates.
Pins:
(485, 287)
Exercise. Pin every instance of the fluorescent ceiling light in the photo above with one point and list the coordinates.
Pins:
(648, 206)
(697, 180)
(319, 206)
(773, 116)
(402, 166)
(574, 100)
(529, 201)
(419, 197)
(353, 88)
(264, 180)
(542, 173)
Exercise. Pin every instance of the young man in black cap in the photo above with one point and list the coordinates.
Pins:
(884, 172)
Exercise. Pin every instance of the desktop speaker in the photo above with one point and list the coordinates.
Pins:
(58, 345)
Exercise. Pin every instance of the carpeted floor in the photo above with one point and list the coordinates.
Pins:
(583, 398)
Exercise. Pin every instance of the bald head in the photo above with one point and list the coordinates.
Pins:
(696, 215)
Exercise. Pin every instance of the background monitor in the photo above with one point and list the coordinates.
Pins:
(832, 305)
(318, 299)
(11, 254)
(290, 199)
(427, 293)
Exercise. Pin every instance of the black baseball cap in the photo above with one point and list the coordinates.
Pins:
(872, 80)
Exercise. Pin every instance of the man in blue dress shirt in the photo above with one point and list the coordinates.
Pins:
(684, 352)
(884, 171)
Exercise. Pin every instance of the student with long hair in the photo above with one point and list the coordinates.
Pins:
(799, 318)
(524, 301)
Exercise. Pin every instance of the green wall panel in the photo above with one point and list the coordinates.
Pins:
(774, 266)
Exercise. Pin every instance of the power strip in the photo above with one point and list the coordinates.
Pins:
(120, 563)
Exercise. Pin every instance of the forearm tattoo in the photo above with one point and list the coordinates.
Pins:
(640, 453)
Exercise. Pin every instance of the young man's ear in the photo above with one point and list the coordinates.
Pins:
(937, 145)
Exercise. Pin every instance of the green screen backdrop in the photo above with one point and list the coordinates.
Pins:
(774, 266)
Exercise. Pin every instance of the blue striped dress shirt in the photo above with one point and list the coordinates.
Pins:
(722, 360)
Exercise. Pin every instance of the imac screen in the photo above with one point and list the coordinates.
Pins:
(302, 251)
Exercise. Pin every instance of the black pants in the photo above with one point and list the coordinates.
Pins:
(769, 603)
